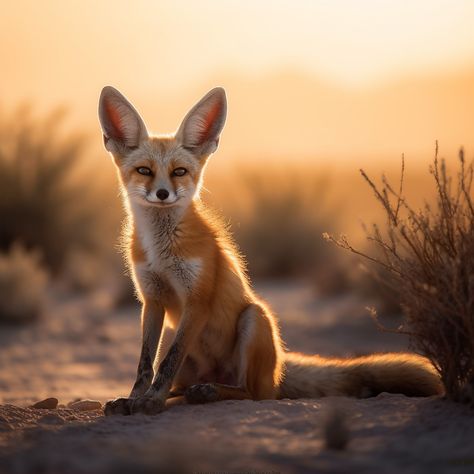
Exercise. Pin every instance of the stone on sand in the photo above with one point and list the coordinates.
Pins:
(85, 405)
(48, 403)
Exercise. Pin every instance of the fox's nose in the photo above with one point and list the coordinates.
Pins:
(162, 194)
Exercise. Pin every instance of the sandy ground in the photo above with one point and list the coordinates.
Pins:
(83, 349)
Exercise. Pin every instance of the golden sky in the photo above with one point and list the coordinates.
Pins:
(339, 79)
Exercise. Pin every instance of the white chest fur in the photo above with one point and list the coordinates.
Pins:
(157, 232)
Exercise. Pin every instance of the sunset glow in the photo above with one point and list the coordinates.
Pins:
(319, 69)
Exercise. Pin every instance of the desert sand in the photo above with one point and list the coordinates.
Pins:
(83, 348)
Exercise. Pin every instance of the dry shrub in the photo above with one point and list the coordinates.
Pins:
(48, 199)
(23, 283)
(429, 254)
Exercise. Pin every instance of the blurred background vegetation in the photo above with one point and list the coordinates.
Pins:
(58, 218)
(348, 85)
(62, 214)
(48, 200)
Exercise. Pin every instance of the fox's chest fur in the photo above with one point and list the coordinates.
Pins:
(162, 270)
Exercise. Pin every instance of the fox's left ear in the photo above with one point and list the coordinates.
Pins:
(122, 126)
(202, 126)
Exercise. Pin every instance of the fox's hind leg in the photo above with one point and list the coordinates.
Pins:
(257, 351)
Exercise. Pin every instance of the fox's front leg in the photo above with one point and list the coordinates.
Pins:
(153, 401)
(152, 325)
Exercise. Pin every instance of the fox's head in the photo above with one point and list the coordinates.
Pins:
(161, 171)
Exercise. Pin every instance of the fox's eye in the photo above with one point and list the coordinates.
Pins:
(179, 171)
(144, 170)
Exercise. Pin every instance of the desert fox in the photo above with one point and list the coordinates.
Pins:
(189, 275)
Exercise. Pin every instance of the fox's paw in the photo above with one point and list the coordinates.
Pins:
(147, 406)
(202, 393)
(119, 406)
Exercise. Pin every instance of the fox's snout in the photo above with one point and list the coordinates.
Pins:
(168, 194)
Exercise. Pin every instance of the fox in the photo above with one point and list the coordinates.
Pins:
(190, 276)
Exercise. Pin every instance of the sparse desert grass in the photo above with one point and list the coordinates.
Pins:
(23, 283)
(429, 254)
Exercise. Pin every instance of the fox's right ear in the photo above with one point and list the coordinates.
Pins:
(202, 126)
(122, 126)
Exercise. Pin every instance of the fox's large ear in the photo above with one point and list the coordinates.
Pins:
(122, 126)
(203, 124)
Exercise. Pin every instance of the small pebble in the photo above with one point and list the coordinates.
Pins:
(85, 405)
(48, 403)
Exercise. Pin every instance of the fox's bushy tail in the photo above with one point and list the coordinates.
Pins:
(314, 376)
